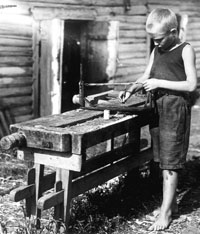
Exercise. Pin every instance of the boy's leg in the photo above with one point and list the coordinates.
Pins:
(170, 181)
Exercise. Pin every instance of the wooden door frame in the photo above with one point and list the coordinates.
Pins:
(48, 14)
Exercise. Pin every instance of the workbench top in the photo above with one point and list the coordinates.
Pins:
(56, 132)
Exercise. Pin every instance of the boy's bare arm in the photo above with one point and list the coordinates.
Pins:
(138, 85)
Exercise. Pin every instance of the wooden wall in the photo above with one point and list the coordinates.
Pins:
(18, 78)
(16, 63)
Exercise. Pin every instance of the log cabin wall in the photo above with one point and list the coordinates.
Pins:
(19, 88)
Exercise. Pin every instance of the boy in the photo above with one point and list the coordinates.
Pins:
(171, 76)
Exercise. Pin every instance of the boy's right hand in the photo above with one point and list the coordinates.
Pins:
(124, 95)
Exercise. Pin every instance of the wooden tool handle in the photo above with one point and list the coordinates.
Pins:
(14, 140)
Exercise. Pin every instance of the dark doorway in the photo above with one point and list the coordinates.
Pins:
(86, 49)
(71, 63)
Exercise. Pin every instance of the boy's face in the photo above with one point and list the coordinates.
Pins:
(165, 40)
(157, 33)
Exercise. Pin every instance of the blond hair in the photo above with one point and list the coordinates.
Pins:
(163, 16)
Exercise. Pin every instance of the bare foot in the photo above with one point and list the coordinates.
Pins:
(156, 212)
(163, 221)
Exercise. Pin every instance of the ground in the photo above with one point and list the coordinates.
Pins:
(121, 206)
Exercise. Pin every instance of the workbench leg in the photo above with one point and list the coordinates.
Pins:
(58, 209)
(39, 174)
(31, 201)
(65, 176)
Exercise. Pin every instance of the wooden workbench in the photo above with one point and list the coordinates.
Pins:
(84, 148)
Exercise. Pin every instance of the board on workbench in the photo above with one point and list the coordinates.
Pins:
(138, 103)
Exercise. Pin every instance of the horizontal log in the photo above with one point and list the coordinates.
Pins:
(16, 30)
(190, 7)
(22, 110)
(132, 41)
(5, 41)
(47, 2)
(22, 118)
(15, 71)
(15, 91)
(128, 78)
(174, 8)
(81, 13)
(8, 51)
(193, 25)
(6, 82)
(17, 20)
(121, 71)
(131, 54)
(16, 9)
(131, 26)
(83, 2)
(132, 47)
(122, 18)
(133, 68)
(194, 19)
(136, 10)
(16, 61)
(133, 34)
(132, 61)
(17, 101)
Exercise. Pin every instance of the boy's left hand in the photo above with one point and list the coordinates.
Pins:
(150, 84)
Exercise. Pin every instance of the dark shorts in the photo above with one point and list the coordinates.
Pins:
(170, 131)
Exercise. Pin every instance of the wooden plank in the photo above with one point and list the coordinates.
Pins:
(58, 209)
(53, 132)
(103, 159)
(71, 162)
(100, 130)
(22, 192)
(39, 174)
(31, 200)
(65, 176)
(49, 200)
(101, 176)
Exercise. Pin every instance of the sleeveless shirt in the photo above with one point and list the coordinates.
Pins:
(169, 65)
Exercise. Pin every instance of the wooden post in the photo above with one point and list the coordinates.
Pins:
(39, 171)
(65, 176)
(31, 201)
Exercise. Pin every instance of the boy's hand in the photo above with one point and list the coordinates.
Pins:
(151, 84)
(124, 95)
